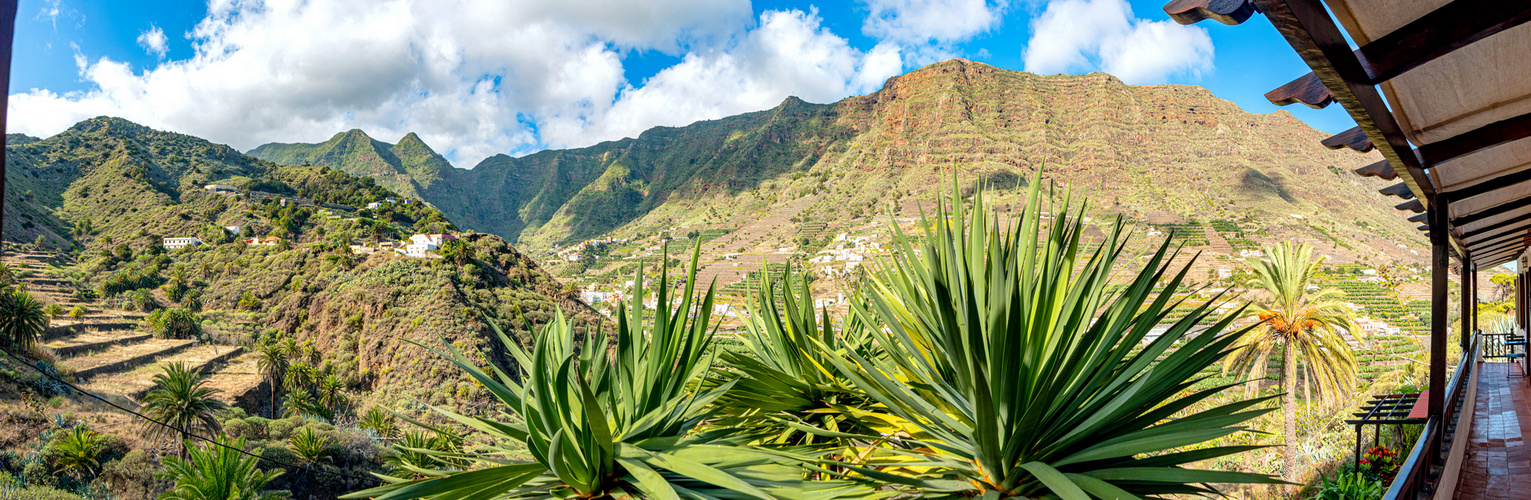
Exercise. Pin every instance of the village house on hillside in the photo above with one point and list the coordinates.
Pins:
(267, 241)
(179, 243)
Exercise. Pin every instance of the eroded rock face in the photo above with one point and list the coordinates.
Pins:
(1163, 149)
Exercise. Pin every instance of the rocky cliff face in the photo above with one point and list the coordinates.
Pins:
(1171, 150)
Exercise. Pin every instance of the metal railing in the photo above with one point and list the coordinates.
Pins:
(1494, 345)
(1417, 473)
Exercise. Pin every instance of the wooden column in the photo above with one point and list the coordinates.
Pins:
(1466, 300)
(1440, 261)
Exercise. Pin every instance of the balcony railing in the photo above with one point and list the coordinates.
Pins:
(1494, 345)
(1415, 476)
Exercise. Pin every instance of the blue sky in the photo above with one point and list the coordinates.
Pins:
(480, 77)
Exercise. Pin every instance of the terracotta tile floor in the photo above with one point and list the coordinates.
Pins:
(1497, 464)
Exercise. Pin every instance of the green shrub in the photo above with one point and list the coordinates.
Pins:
(1350, 486)
(132, 476)
(41, 493)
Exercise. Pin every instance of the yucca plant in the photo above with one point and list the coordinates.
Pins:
(217, 473)
(612, 421)
(1025, 378)
(783, 381)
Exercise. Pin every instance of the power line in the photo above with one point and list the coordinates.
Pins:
(180, 431)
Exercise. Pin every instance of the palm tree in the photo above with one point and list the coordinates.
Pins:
(181, 400)
(217, 473)
(1300, 325)
(53, 310)
(22, 320)
(78, 452)
(329, 392)
(458, 252)
(300, 377)
(311, 448)
(271, 360)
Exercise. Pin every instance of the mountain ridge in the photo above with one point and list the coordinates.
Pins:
(1161, 149)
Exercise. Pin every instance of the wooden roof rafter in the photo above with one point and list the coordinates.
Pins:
(1499, 257)
(1317, 39)
(1475, 113)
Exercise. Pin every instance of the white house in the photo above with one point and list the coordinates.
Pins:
(433, 239)
(419, 249)
(179, 243)
(233, 230)
(221, 188)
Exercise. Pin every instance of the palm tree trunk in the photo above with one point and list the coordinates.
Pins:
(1289, 413)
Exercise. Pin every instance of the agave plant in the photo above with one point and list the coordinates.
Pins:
(1025, 378)
(612, 420)
(784, 382)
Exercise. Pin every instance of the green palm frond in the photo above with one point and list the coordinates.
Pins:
(1025, 378)
(216, 473)
(1310, 323)
(78, 452)
(309, 446)
(182, 400)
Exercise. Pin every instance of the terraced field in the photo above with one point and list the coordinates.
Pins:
(108, 353)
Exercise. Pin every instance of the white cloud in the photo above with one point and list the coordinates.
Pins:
(926, 29)
(154, 41)
(1084, 35)
(473, 77)
(788, 54)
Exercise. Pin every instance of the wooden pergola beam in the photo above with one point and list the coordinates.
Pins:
(1228, 12)
(1306, 89)
(1306, 25)
(1496, 226)
(1400, 190)
(1502, 256)
(1354, 139)
(1513, 236)
(1500, 209)
(1490, 249)
(1502, 181)
(1487, 136)
(1446, 29)
(1382, 170)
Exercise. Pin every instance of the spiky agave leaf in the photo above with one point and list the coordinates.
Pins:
(1026, 377)
(786, 392)
(612, 420)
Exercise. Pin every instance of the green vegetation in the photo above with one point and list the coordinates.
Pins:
(1305, 327)
(22, 319)
(218, 473)
(182, 401)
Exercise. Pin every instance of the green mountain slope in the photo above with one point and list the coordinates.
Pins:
(110, 190)
(1166, 154)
